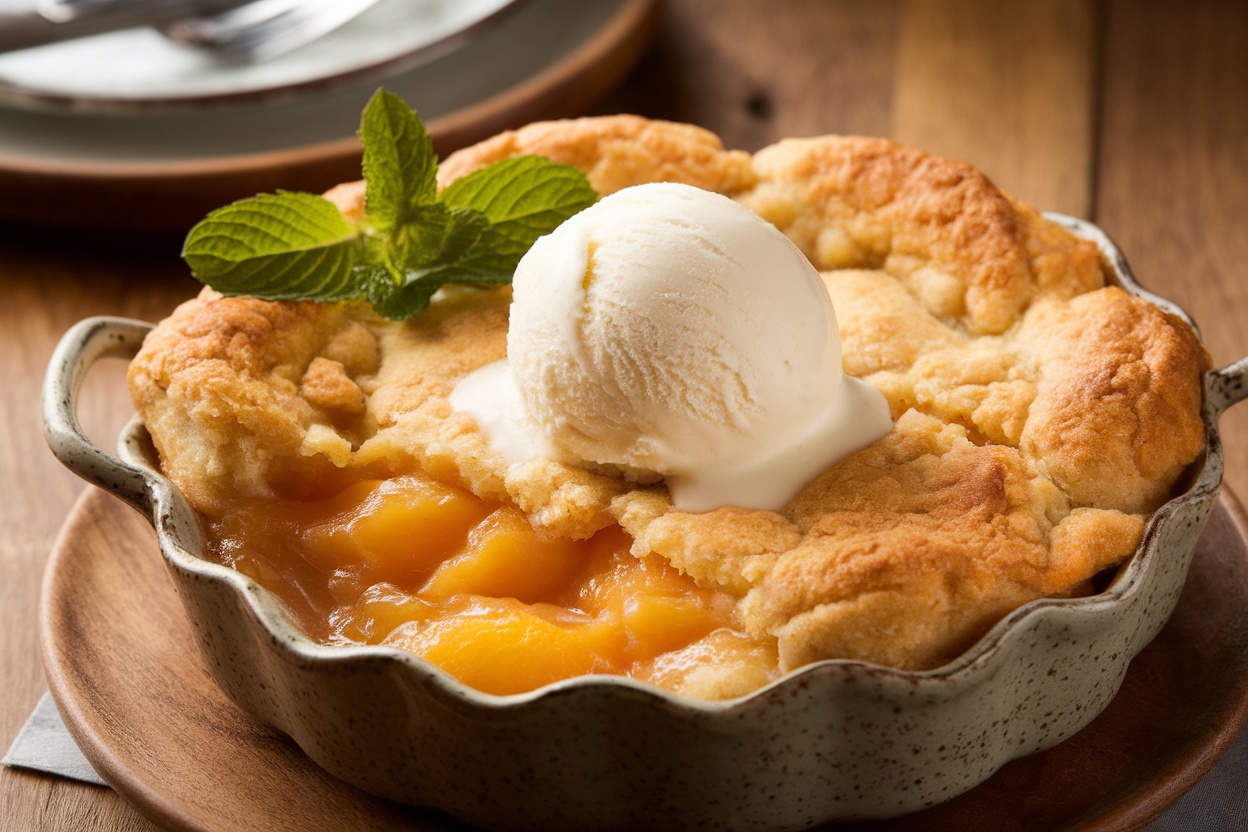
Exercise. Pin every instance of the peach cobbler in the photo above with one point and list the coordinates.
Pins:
(1039, 417)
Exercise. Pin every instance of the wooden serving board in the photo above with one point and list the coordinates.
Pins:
(124, 669)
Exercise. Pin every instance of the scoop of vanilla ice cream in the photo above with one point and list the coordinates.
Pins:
(666, 328)
(667, 331)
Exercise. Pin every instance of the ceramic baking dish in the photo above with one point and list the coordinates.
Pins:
(835, 740)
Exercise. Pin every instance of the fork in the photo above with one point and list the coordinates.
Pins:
(264, 29)
(29, 24)
(243, 31)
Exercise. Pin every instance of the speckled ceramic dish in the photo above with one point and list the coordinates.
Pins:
(834, 740)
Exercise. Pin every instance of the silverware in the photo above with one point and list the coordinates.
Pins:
(244, 31)
(264, 29)
(51, 21)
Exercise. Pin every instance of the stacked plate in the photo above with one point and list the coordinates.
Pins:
(130, 130)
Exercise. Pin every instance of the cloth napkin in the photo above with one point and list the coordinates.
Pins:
(44, 744)
(1218, 803)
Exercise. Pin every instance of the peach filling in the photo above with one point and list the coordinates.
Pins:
(429, 568)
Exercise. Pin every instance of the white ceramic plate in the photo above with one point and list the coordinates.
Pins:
(140, 70)
(537, 37)
(150, 170)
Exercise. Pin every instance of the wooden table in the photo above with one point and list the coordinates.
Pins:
(1132, 113)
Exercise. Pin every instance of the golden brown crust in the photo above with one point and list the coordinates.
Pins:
(1040, 415)
(219, 385)
(616, 152)
(1114, 416)
(925, 519)
(966, 250)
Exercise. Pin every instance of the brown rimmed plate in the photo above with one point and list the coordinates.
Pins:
(547, 59)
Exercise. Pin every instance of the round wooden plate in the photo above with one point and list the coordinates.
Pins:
(124, 669)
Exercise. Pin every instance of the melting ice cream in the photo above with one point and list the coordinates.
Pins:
(668, 332)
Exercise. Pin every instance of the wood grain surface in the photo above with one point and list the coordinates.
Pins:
(1007, 86)
(1146, 133)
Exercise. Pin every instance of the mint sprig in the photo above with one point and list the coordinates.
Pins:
(411, 240)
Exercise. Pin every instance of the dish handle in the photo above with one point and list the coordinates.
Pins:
(80, 347)
(1228, 385)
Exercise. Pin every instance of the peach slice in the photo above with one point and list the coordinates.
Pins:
(396, 530)
(502, 646)
(506, 558)
(381, 610)
(659, 623)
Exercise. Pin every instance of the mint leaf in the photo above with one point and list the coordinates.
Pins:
(492, 260)
(523, 198)
(425, 252)
(438, 234)
(400, 168)
(493, 216)
(399, 301)
(284, 246)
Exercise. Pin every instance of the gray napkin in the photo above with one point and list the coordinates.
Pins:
(1218, 803)
(44, 744)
